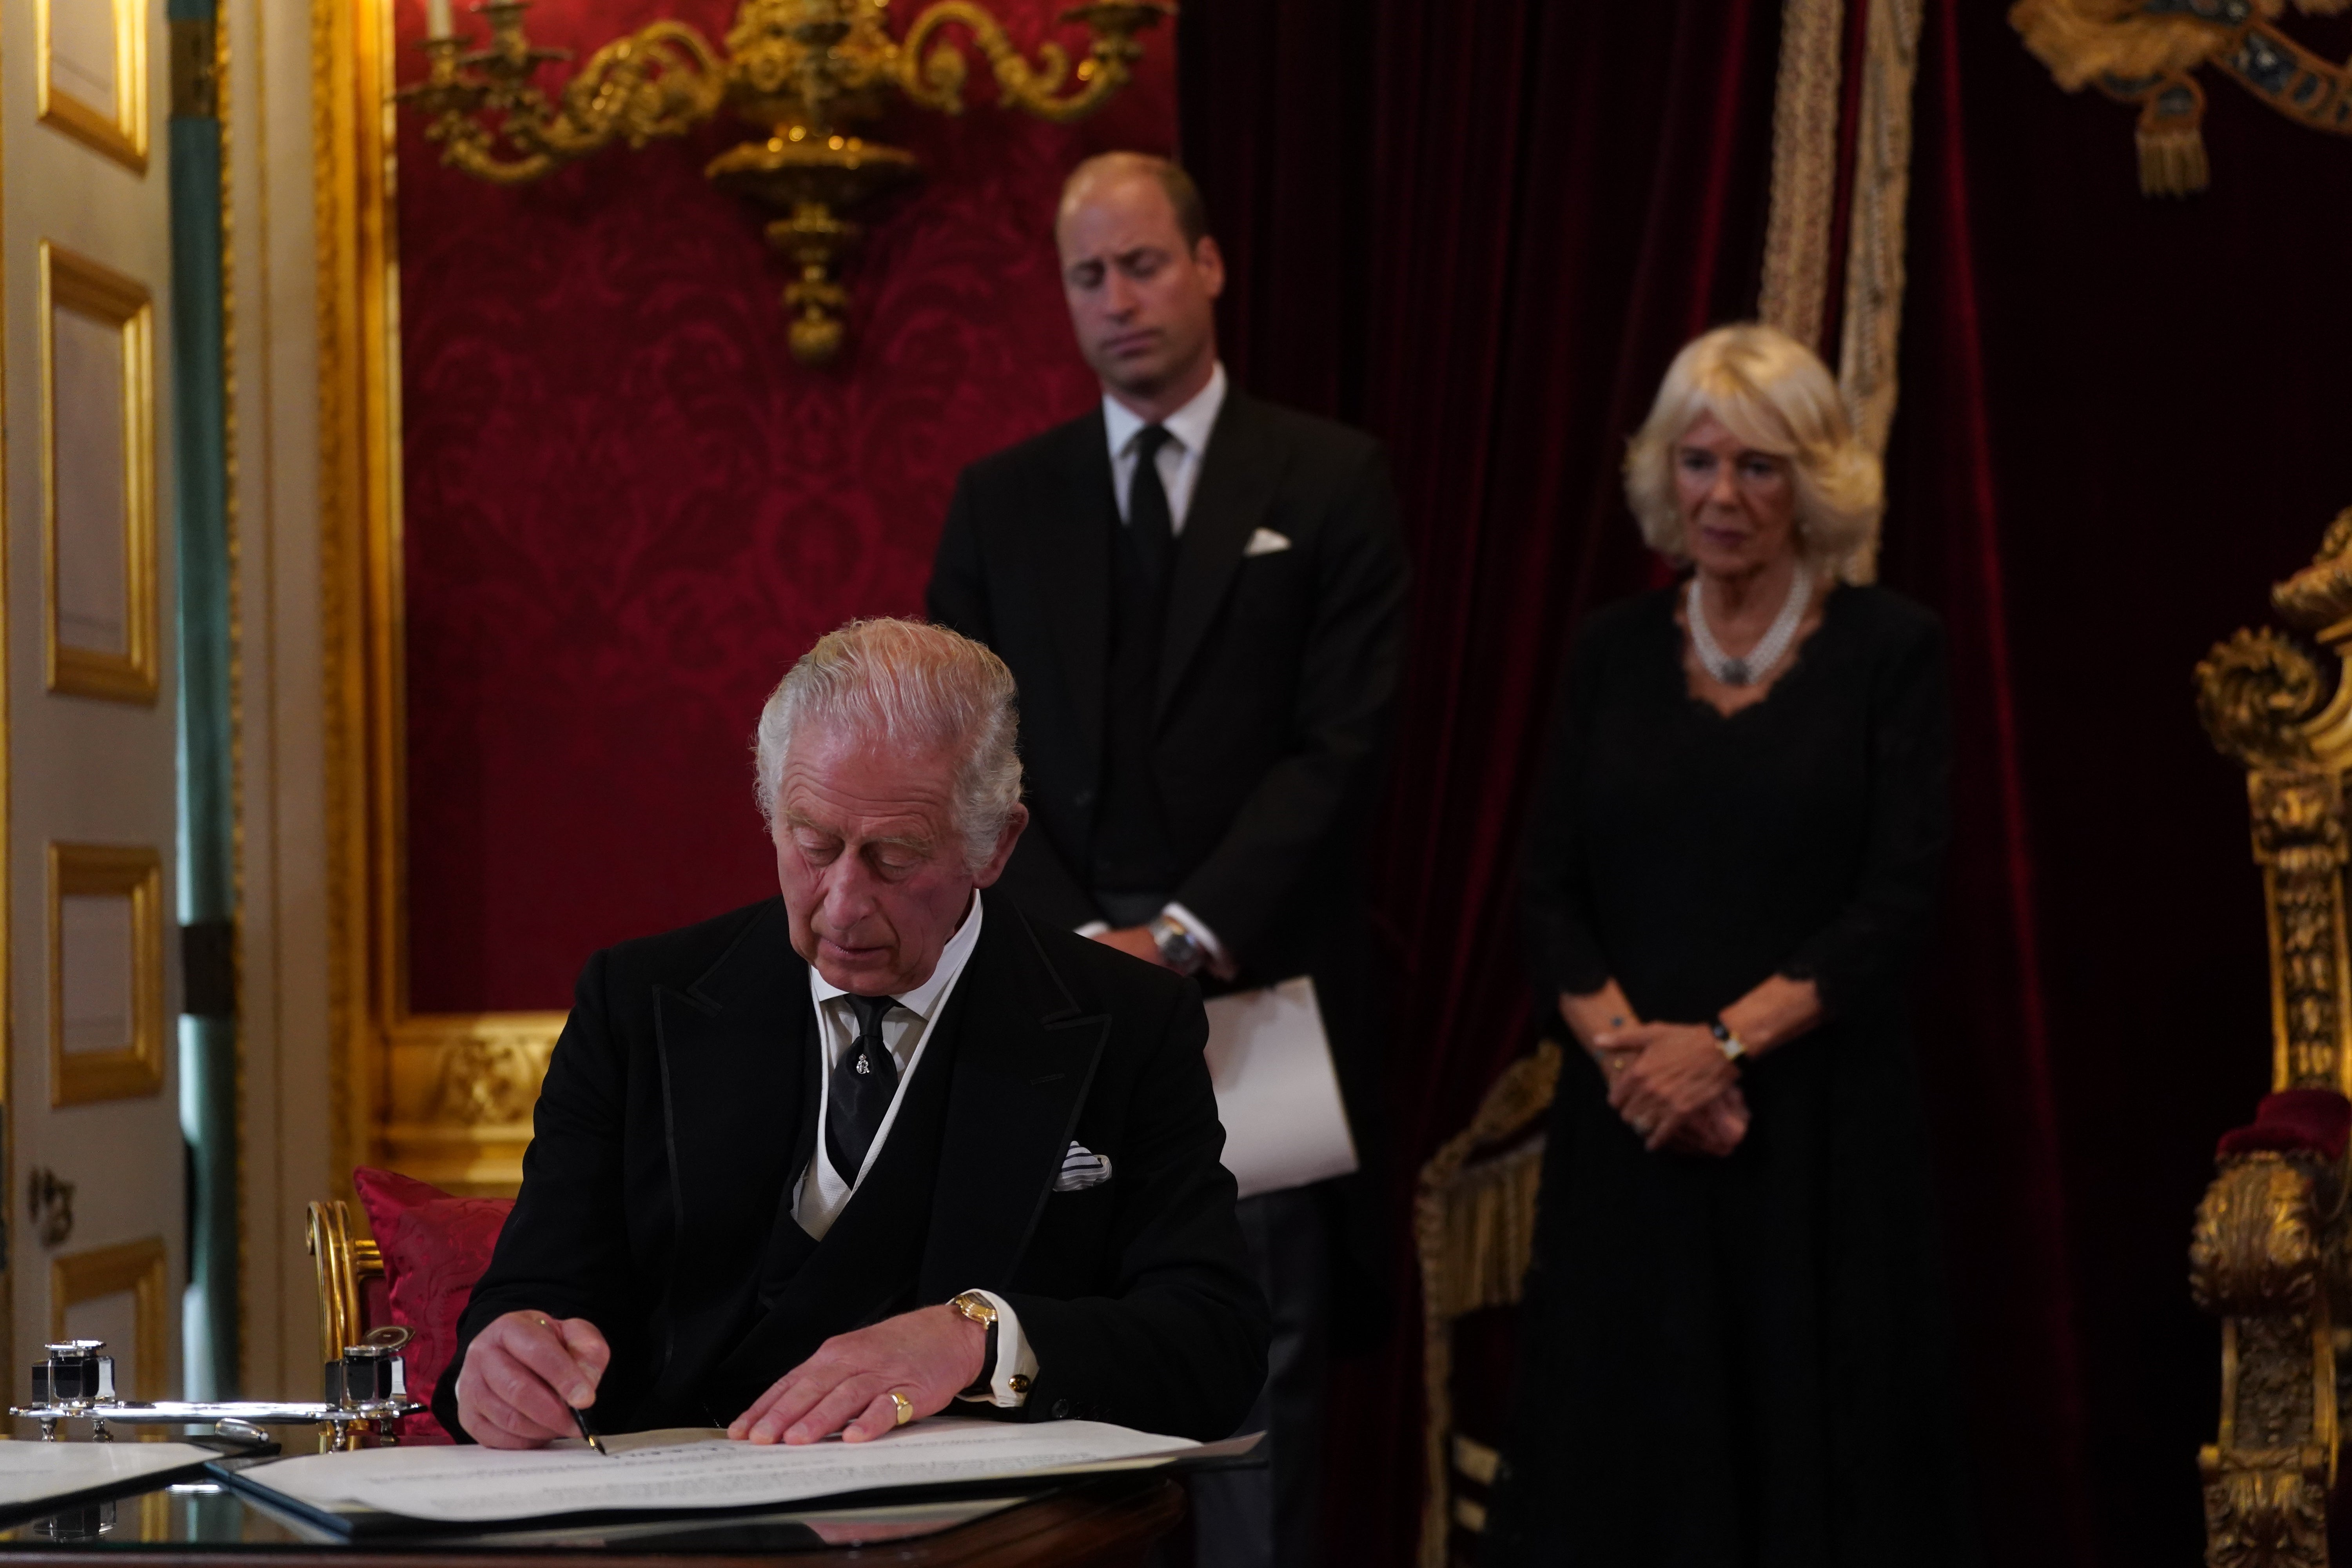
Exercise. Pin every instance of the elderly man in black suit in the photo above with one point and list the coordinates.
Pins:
(836, 1160)
(1201, 595)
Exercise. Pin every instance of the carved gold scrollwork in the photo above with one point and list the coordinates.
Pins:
(661, 81)
(2254, 1244)
(2265, 1509)
(488, 1082)
(2300, 843)
(2253, 694)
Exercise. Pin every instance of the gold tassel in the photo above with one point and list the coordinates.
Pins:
(1490, 1229)
(2172, 161)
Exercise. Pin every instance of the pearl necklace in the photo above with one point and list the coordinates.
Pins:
(1768, 648)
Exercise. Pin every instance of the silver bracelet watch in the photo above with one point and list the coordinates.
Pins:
(1179, 950)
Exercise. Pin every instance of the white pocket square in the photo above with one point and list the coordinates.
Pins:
(1265, 542)
(1082, 1168)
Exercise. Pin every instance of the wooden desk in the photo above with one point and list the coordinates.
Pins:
(1108, 1522)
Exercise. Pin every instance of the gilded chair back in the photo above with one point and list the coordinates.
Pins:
(1473, 1220)
(345, 1265)
(2268, 1255)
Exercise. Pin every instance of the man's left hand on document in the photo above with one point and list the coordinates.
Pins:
(924, 1357)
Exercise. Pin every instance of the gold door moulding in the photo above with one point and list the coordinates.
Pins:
(77, 285)
(2148, 52)
(120, 134)
(140, 1267)
(134, 872)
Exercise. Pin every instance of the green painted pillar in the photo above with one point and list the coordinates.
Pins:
(208, 912)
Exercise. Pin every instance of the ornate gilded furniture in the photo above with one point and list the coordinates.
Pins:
(1473, 1221)
(2268, 1254)
(806, 74)
(349, 1271)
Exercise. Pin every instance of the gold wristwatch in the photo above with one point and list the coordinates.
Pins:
(975, 1306)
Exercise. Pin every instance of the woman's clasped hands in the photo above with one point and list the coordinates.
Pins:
(1673, 1087)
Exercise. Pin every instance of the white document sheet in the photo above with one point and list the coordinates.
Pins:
(1277, 1093)
(468, 1486)
(34, 1472)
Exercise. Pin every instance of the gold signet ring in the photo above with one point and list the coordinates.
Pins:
(905, 1411)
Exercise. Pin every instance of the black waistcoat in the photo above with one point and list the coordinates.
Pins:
(801, 1291)
(1129, 852)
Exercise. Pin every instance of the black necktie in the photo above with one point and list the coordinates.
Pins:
(863, 1081)
(1149, 521)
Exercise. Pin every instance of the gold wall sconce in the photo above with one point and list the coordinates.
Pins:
(806, 73)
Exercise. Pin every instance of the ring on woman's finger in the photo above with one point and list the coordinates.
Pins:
(906, 1410)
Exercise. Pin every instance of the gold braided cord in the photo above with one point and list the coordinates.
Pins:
(1873, 270)
(1804, 168)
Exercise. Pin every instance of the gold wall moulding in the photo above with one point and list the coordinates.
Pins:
(460, 1095)
(129, 1059)
(2148, 52)
(142, 1268)
(91, 81)
(98, 385)
(806, 73)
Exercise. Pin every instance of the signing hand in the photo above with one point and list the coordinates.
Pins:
(925, 1357)
(1679, 1070)
(1134, 941)
(524, 1376)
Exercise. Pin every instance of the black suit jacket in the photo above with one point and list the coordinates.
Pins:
(657, 1191)
(1276, 675)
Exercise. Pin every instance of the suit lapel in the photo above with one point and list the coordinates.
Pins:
(1025, 1054)
(1074, 565)
(737, 1061)
(1238, 477)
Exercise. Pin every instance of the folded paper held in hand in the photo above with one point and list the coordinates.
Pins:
(1278, 1092)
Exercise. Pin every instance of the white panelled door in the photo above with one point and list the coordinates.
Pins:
(95, 1160)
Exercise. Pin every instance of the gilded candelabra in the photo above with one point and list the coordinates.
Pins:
(804, 72)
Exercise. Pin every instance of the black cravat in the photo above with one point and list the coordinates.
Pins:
(863, 1081)
(1149, 521)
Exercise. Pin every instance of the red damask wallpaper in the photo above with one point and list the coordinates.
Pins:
(627, 509)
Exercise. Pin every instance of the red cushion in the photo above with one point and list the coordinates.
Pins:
(2295, 1121)
(435, 1247)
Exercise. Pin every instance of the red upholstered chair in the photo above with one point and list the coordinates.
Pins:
(429, 1247)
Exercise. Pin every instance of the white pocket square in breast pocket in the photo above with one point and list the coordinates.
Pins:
(1265, 542)
(1082, 1168)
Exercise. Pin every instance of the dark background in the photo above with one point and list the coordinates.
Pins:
(1480, 228)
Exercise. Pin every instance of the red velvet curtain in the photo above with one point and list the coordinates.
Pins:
(2121, 422)
(1480, 230)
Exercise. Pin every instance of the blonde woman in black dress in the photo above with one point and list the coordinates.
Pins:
(1732, 1334)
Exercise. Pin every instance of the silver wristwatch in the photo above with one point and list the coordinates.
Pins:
(1179, 950)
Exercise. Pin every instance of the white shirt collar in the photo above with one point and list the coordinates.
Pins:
(1189, 425)
(922, 998)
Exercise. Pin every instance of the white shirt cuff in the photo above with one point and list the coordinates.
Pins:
(1093, 929)
(1220, 964)
(1016, 1364)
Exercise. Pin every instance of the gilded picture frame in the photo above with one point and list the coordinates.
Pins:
(444, 1097)
(109, 870)
(76, 284)
(120, 135)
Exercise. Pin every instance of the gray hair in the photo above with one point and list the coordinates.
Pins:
(913, 685)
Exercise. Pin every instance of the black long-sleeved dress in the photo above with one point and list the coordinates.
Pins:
(1739, 1362)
